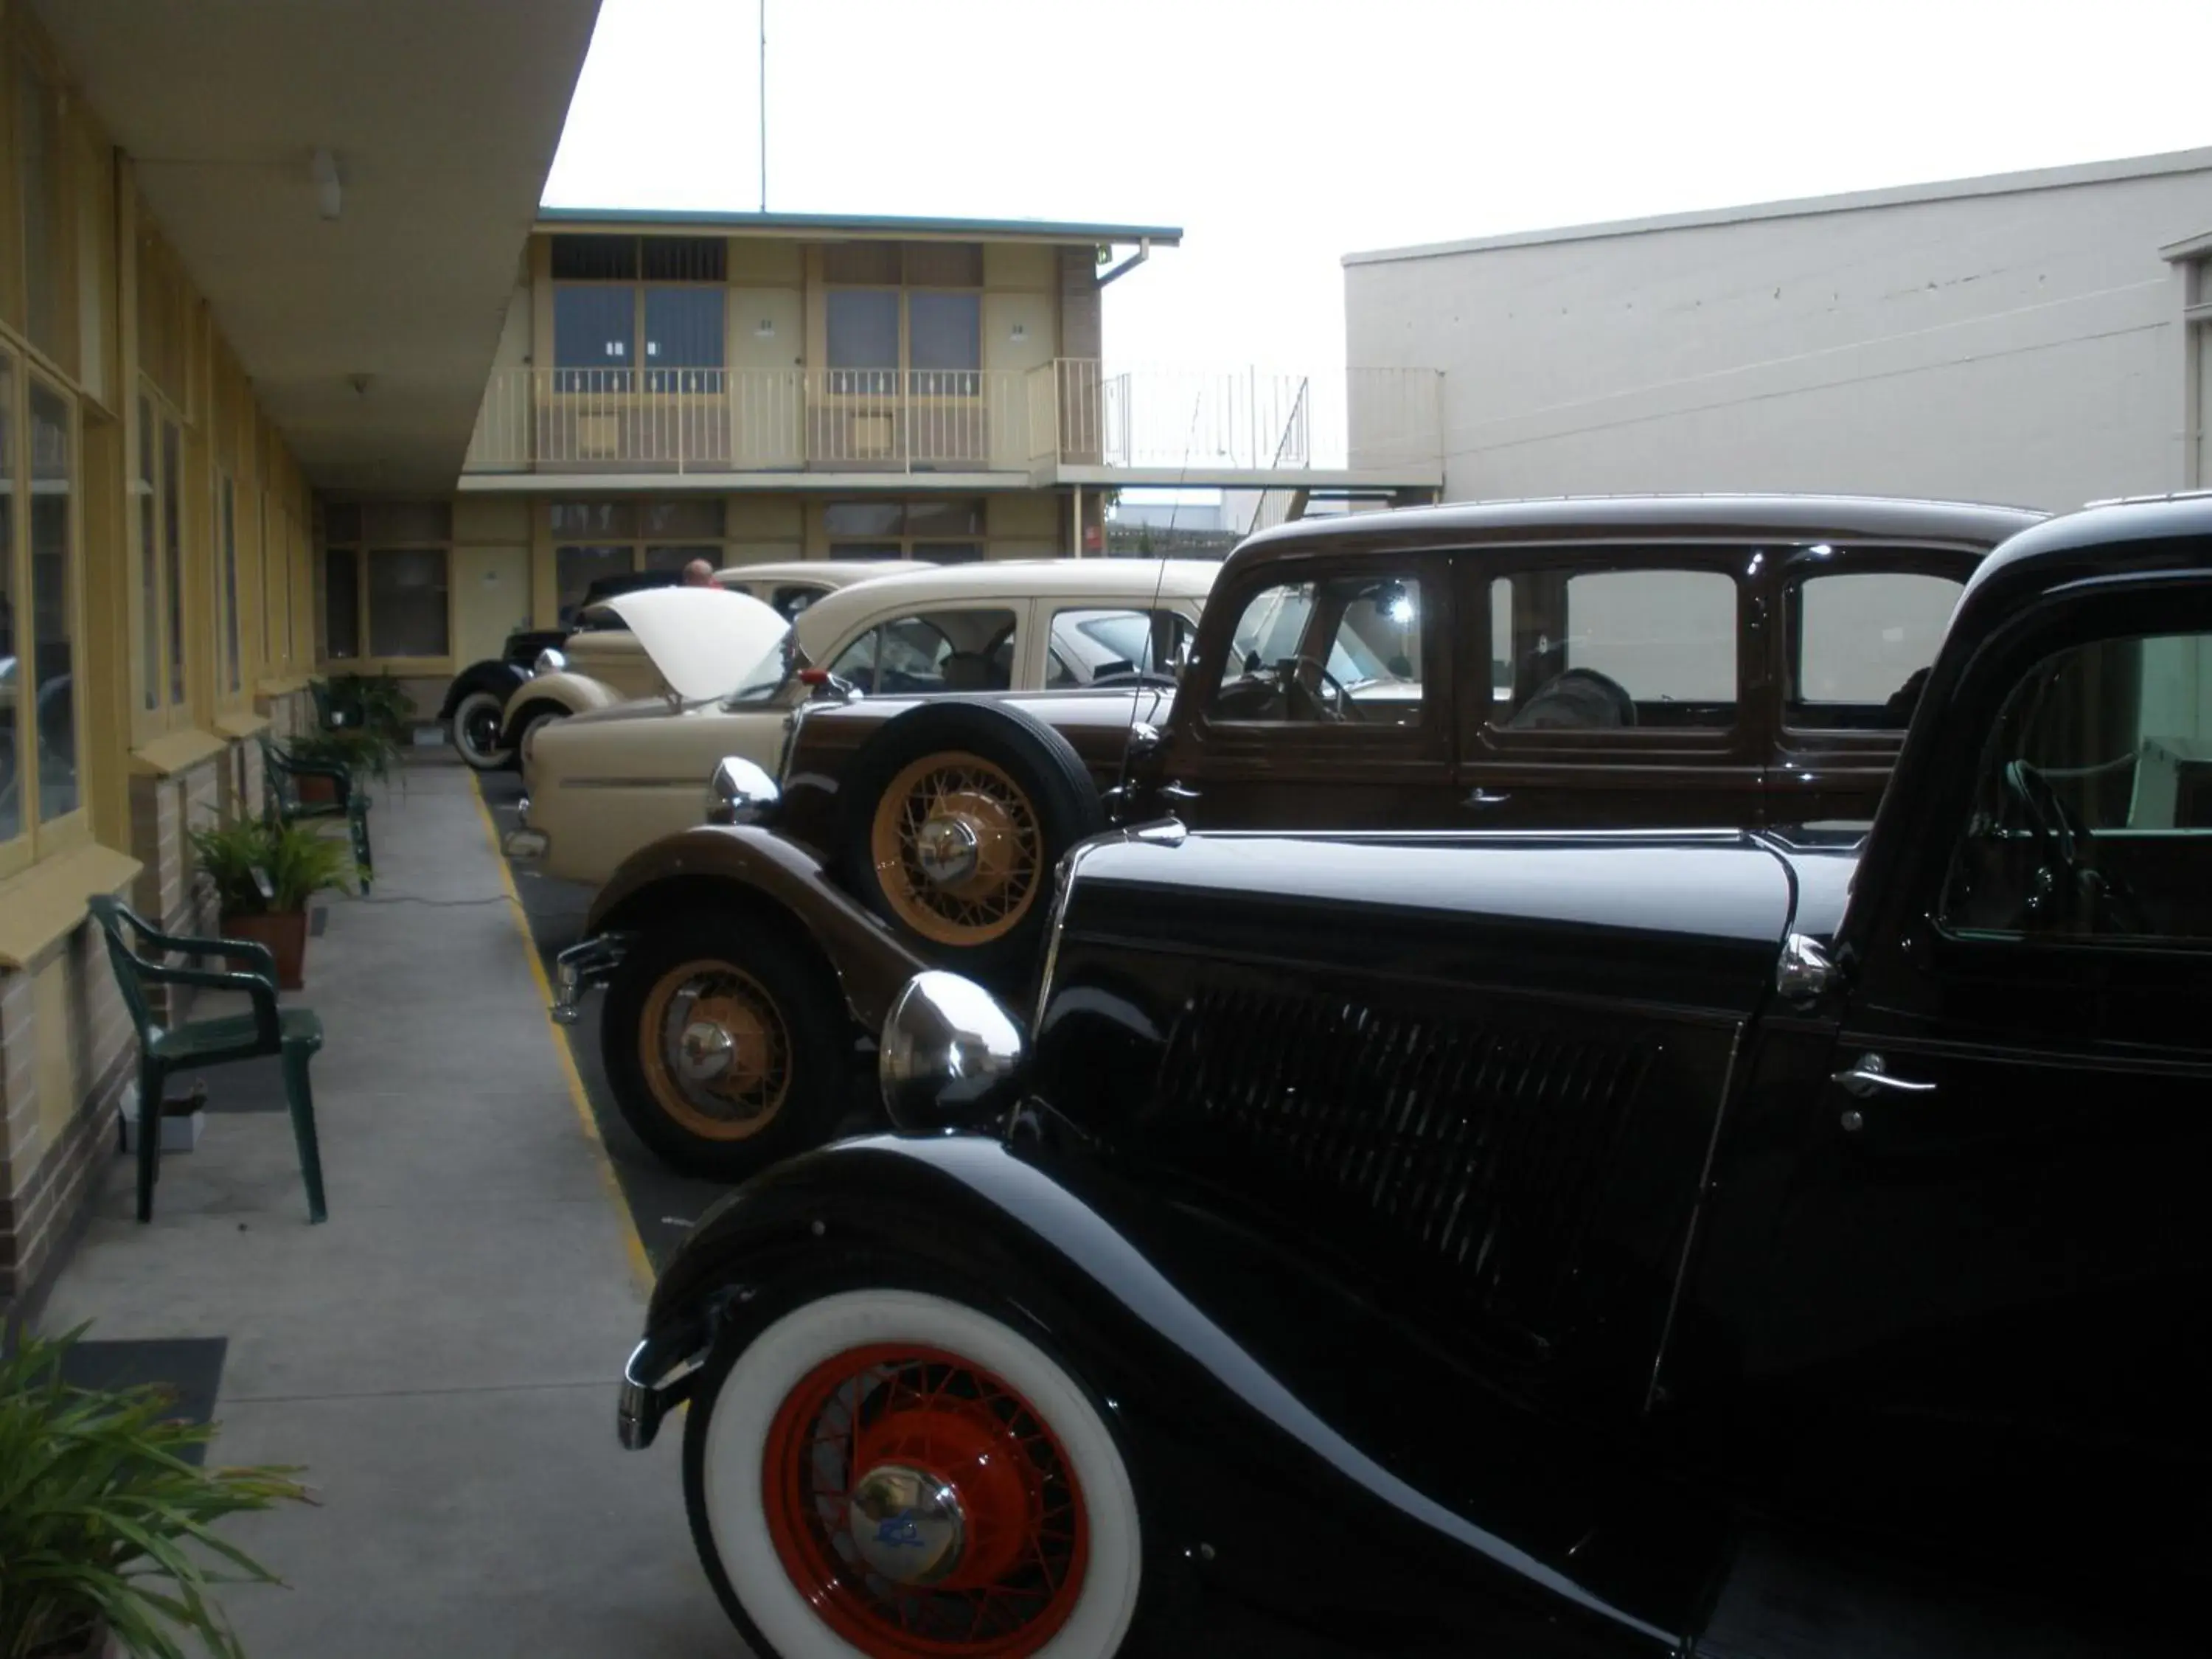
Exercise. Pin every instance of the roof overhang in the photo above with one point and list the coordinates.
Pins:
(845, 226)
(443, 119)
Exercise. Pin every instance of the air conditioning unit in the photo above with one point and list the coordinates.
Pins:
(872, 437)
(598, 437)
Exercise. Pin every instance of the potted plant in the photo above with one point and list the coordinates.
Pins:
(363, 750)
(107, 1542)
(263, 876)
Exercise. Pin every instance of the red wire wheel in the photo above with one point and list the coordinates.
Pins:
(923, 1507)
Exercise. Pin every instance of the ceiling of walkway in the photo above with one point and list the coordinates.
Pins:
(443, 117)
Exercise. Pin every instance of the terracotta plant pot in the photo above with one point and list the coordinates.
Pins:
(285, 933)
(316, 792)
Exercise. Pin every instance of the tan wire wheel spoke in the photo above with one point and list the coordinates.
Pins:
(715, 1050)
(958, 849)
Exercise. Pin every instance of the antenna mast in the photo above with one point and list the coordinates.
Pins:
(763, 105)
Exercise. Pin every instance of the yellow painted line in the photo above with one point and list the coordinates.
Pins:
(640, 1264)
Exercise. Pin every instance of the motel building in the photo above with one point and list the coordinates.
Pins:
(296, 379)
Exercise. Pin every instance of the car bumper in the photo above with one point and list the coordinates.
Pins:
(522, 843)
(656, 1379)
(580, 968)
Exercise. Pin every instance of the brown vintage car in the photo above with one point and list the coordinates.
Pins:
(1652, 662)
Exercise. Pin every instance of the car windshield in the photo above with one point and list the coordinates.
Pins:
(1271, 628)
(766, 676)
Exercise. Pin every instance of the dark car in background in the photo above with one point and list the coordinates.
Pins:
(1761, 1244)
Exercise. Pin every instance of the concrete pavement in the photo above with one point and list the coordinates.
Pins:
(442, 1354)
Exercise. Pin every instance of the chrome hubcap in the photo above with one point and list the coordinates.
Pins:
(705, 1051)
(947, 849)
(907, 1525)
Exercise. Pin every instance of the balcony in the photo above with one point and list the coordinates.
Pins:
(1070, 422)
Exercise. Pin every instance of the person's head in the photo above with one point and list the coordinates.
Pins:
(698, 574)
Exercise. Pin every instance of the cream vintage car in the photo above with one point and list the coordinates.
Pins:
(604, 663)
(607, 783)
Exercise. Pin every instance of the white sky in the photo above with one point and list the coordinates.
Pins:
(1282, 133)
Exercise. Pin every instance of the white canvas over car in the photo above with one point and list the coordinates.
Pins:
(607, 782)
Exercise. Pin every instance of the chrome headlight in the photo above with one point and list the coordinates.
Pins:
(739, 791)
(950, 1056)
(549, 661)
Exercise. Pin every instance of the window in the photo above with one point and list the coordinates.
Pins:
(916, 307)
(933, 651)
(407, 614)
(597, 539)
(39, 692)
(341, 603)
(149, 563)
(2093, 810)
(945, 530)
(53, 494)
(172, 550)
(1088, 645)
(1860, 642)
(17, 681)
(1343, 650)
(621, 304)
(227, 505)
(39, 182)
(1606, 649)
(386, 563)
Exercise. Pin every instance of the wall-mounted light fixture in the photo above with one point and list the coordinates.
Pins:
(1021, 330)
(324, 169)
(765, 329)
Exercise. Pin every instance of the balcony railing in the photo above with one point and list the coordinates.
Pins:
(1070, 412)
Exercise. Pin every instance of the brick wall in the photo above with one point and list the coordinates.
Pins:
(48, 1159)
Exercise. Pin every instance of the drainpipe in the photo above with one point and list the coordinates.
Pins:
(1143, 252)
(1076, 548)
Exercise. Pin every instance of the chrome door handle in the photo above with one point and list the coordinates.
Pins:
(1480, 797)
(1870, 1078)
(1177, 794)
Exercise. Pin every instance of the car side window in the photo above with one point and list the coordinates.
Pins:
(789, 600)
(1342, 650)
(1608, 649)
(1860, 645)
(1087, 645)
(2092, 806)
(950, 650)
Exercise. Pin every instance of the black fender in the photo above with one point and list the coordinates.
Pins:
(491, 675)
(1244, 1485)
(749, 868)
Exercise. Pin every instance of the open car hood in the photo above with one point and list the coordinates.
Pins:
(705, 641)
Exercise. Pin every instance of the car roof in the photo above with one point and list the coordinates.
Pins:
(2180, 517)
(1734, 516)
(829, 573)
(1136, 581)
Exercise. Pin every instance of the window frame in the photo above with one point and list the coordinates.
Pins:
(1809, 564)
(1481, 740)
(34, 840)
(640, 538)
(636, 376)
(364, 546)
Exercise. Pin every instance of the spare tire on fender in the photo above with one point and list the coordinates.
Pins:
(954, 815)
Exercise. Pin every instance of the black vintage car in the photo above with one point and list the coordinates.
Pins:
(1733, 1243)
(477, 698)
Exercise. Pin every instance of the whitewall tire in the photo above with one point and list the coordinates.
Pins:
(475, 729)
(794, 1441)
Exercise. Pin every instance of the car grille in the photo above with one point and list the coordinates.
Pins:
(1480, 1149)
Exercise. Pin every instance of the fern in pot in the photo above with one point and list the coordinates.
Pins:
(108, 1539)
(263, 875)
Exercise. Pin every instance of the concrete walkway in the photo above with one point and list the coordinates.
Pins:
(440, 1355)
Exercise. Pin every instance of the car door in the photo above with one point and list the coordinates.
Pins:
(1331, 707)
(1859, 627)
(1984, 1306)
(1626, 688)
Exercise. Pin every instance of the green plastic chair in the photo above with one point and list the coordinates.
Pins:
(295, 1034)
(281, 772)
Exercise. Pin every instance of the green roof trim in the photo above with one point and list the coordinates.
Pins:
(860, 224)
